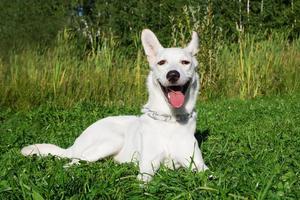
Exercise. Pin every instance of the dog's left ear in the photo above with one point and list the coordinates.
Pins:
(193, 46)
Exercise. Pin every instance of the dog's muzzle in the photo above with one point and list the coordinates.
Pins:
(175, 94)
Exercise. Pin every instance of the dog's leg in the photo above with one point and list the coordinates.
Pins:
(94, 153)
(149, 165)
(197, 160)
(100, 150)
(189, 156)
(148, 169)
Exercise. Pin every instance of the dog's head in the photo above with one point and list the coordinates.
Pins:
(173, 68)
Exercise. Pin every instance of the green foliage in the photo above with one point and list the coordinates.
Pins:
(30, 23)
(64, 75)
(59, 75)
(251, 148)
(37, 22)
(253, 68)
(126, 19)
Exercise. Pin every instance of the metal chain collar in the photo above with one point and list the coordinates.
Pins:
(168, 118)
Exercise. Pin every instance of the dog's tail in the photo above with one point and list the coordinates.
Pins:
(45, 150)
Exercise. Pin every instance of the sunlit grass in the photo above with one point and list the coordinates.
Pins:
(250, 146)
(65, 74)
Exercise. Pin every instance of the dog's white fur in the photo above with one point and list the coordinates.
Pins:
(159, 135)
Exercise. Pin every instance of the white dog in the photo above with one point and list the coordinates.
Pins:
(163, 134)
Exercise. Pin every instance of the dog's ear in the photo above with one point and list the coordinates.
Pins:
(193, 46)
(151, 45)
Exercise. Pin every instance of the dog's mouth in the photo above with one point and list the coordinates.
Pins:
(175, 93)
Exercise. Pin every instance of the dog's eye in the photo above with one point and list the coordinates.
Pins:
(162, 62)
(185, 62)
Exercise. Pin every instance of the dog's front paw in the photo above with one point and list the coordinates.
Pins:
(146, 178)
(204, 168)
(200, 168)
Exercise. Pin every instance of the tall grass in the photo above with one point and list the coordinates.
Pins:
(255, 67)
(63, 76)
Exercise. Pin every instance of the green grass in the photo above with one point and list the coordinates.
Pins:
(252, 148)
(65, 76)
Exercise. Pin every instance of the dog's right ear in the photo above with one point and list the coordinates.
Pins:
(151, 45)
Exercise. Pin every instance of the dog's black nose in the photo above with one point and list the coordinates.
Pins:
(173, 76)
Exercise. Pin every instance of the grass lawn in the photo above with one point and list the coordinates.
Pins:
(252, 148)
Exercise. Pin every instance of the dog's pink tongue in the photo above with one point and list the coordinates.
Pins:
(176, 98)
